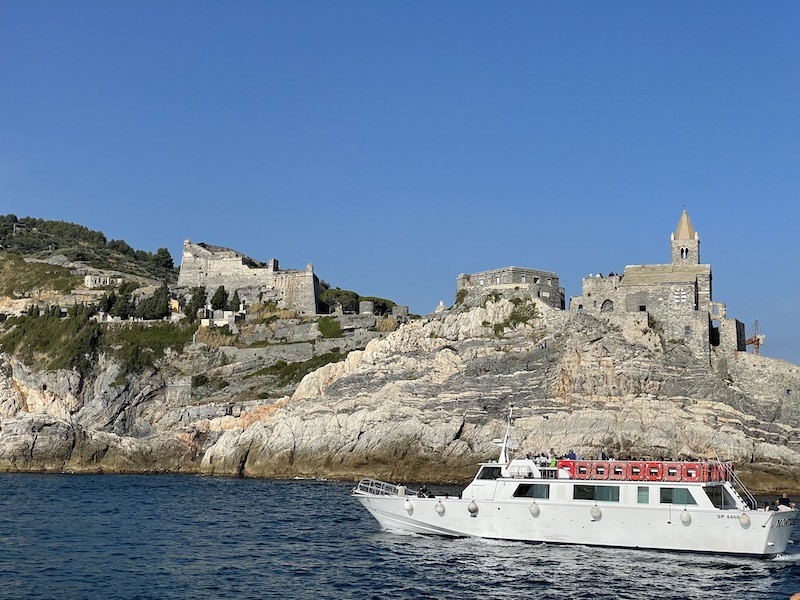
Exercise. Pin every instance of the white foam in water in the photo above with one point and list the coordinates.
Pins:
(792, 558)
(402, 532)
(490, 542)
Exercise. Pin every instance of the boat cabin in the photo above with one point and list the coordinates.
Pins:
(701, 484)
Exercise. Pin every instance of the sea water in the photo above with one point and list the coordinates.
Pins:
(169, 536)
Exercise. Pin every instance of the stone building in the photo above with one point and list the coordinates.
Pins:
(543, 285)
(215, 266)
(93, 281)
(676, 296)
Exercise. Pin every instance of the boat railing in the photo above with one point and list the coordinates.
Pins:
(648, 470)
(740, 488)
(376, 488)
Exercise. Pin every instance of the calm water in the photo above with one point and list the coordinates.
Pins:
(192, 537)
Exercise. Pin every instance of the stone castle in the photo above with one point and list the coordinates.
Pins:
(214, 266)
(675, 296)
(539, 284)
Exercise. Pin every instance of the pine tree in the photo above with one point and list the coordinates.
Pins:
(219, 300)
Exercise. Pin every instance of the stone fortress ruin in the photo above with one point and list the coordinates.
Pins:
(542, 285)
(675, 297)
(214, 266)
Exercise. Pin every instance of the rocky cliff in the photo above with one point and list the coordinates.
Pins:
(422, 403)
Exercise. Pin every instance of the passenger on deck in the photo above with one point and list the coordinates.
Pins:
(571, 455)
(784, 503)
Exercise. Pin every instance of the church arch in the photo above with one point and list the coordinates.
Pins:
(607, 306)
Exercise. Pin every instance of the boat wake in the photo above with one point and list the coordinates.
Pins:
(403, 532)
(490, 542)
(789, 558)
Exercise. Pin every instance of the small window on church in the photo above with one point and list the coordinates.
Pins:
(524, 279)
(687, 331)
(642, 308)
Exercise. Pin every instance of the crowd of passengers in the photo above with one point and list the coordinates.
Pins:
(550, 459)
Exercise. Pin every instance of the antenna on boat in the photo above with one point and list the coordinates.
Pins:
(507, 443)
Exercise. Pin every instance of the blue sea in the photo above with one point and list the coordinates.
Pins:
(165, 536)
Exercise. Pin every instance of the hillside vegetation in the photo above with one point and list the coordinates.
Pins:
(40, 238)
(17, 276)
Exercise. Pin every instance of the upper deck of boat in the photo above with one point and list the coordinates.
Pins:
(612, 470)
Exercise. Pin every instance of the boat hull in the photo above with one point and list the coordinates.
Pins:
(758, 533)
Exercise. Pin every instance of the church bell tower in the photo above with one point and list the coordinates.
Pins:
(685, 243)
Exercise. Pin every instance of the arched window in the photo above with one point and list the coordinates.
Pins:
(684, 252)
(607, 306)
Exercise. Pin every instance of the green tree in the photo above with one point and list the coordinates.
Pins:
(236, 303)
(382, 305)
(120, 246)
(107, 301)
(163, 259)
(156, 306)
(348, 299)
(122, 307)
(197, 302)
(219, 300)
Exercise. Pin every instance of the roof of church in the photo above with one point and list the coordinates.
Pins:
(685, 231)
(650, 274)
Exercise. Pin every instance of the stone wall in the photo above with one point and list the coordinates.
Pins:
(543, 285)
(213, 266)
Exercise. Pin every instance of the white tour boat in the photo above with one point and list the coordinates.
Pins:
(664, 505)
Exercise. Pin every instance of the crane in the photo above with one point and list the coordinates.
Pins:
(755, 338)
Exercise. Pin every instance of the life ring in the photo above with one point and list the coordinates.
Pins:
(636, 470)
(692, 472)
(653, 471)
(618, 471)
(600, 470)
(583, 470)
(672, 471)
(567, 465)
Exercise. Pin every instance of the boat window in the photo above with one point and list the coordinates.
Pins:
(720, 497)
(532, 490)
(643, 495)
(608, 493)
(489, 473)
(676, 496)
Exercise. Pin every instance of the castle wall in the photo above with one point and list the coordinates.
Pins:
(543, 285)
(600, 294)
(200, 267)
(295, 290)
(299, 290)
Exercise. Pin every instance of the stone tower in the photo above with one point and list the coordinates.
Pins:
(685, 243)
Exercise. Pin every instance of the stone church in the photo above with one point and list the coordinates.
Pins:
(675, 297)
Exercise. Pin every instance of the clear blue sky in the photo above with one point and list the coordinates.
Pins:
(395, 145)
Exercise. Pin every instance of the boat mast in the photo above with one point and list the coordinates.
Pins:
(505, 445)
